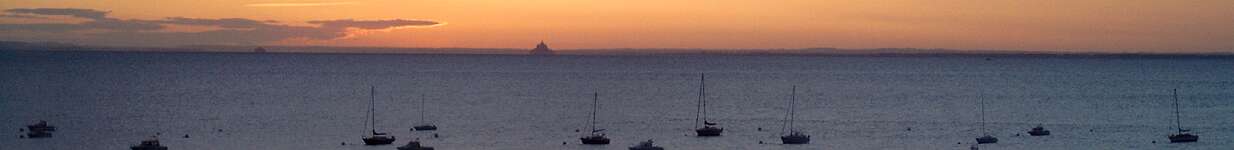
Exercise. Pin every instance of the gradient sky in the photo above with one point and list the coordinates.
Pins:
(1057, 25)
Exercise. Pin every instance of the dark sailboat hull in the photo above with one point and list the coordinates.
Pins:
(38, 134)
(413, 145)
(1183, 138)
(795, 139)
(148, 148)
(378, 141)
(709, 131)
(986, 140)
(415, 148)
(647, 148)
(594, 140)
(424, 128)
(1038, 132)
(41, 128)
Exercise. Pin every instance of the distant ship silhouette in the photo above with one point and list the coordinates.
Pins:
(259, 50)
(542, 49)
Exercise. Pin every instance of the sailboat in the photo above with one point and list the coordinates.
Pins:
(1183, 135)
(708, 128)
(793, 136)
(594, 138)
(375, 138)
(41, 126)
(987, 138)
(149, 144)
(1038, 131)
(426, 126)
(646, 145)
(414, 145)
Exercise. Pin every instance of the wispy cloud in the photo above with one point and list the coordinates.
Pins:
(106, 30)
(300, 4)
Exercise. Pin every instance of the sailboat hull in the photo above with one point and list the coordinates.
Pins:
(709, 131)
(594, 140)
(1038, 131)
(1183, 138)
(795, 139)
(987, 140)
(424, 128)
(380, 140)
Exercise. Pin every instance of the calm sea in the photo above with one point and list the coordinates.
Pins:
(102, 100)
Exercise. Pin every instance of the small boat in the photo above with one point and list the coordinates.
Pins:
(35, 134)
(646, 145)
(700, 117)
(1038, 131)
(414, 145)
(150, 144)
(793, 136)
(1183, 135)
(987, 138)
(595, 138)
(374, 137)
(426, 126)
(41, 126)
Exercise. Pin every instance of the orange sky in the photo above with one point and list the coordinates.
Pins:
(1063, 25)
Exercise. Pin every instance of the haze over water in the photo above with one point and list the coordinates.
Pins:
(105, 100)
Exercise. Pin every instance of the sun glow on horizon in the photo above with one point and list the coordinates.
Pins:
(1055, 25)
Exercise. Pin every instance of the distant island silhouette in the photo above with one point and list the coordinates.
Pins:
(542, 49)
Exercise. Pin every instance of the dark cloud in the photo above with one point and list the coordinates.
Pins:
(98, 20)
(224, 22)
(372, 24)
(75, 12)
(43, 27)
(148, 32)
(23, 16)
(123, 25)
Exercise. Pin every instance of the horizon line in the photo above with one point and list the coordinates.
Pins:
(674, 50)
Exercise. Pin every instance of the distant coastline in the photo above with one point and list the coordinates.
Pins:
(53, 46)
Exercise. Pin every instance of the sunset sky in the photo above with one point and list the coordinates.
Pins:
(1054, 25)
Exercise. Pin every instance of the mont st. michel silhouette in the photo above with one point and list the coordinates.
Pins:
(542, 49)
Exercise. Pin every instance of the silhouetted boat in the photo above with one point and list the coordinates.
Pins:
(150, 144)
(1183, 135)
(646, 145)
(793, 137)
(986, 138)
(594, 138)
(41, 126)
(374, 137)
(414, 145)
(38, 134)
(1038, 131)
(425, 126)
(708, 128)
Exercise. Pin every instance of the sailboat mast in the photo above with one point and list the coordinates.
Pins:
(698, 109)
(372, 92)
(792, 111)
(594, 105)
(702, 95)
(1177, 117)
